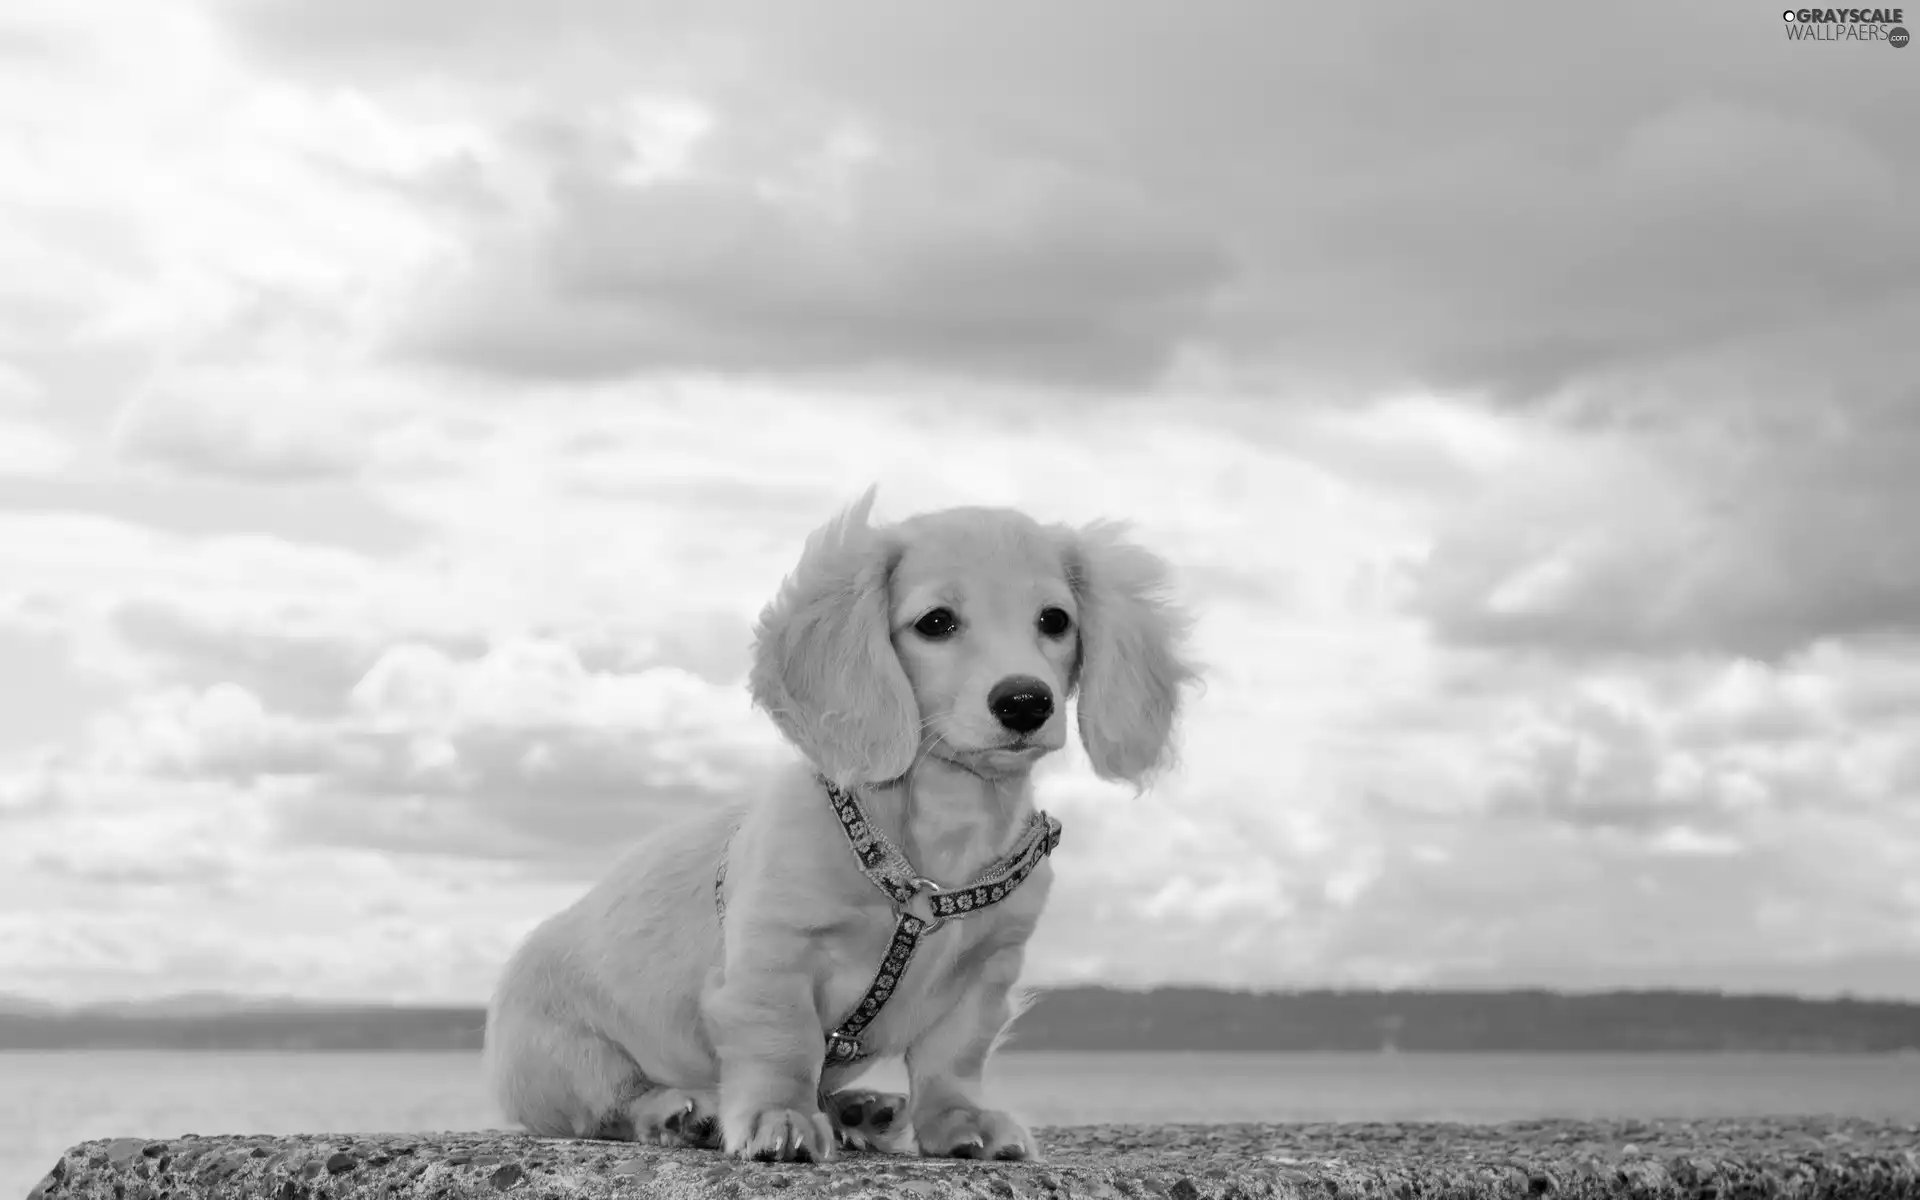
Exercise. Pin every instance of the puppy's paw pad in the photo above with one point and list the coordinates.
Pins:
(671, 1117)
(976, 1133)
(787, 1135)
(866, 1120)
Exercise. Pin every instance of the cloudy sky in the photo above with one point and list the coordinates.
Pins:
(404, 409)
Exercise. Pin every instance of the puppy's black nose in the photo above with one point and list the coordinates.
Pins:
(1021, 703)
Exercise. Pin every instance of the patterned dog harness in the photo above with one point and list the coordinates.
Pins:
(888, 869)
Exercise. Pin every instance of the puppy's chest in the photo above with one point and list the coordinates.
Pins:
(944, 966)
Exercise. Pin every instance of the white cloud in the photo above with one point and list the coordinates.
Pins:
(1342, 772)
(1538, 474)
(30, 448)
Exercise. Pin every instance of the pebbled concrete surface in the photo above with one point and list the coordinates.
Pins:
(1708, 1160)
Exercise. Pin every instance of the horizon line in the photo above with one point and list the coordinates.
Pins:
(12, 1003)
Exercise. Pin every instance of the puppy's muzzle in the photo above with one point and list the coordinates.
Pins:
(1021, 703)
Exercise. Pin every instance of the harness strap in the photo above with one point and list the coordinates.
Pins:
(889, 870)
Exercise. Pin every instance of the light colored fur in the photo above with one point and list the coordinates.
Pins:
(629, 1014)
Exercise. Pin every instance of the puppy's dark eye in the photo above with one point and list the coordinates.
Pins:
(1054, 622)
(938, 624)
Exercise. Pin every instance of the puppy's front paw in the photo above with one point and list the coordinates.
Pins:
(867, 1120)
(783, 1135)
(671, 1117)
(974, 1133)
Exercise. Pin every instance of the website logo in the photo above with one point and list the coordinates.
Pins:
(1848, 25)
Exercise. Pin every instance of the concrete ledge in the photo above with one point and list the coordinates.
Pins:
(1721, 1160)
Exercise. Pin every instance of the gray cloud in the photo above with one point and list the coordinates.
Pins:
(1606, 913)
(47, 697)
(324, 513)
(1327, 206)
(192, 870)
(1421, 198)
(302, 674)
(713, 646)
(1761, 520)
(199, 444)
(530, 751)
(29, 47)
(1036, 275)
(559, 833)
(565, 795)
(1608, 766)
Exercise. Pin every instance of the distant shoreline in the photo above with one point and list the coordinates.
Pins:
(1103, 1020)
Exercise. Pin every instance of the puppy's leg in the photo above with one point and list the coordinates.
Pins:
(766, 1032)
(950, 1118)
(556, 1079)
(563, 1081)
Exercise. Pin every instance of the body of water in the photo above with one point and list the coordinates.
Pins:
(48, 1101)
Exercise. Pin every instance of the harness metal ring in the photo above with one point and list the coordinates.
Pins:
(924, 889)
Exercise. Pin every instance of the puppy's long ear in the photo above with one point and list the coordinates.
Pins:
(823, 660)
(1130, 668)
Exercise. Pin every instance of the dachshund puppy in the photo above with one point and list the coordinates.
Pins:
(718, 987)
